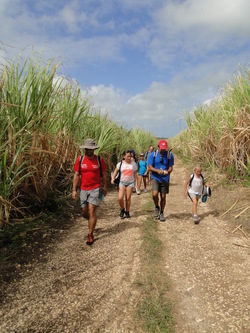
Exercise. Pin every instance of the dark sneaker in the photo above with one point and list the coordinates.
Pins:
(162, 218)
(127, 215)
(90, 240)
(157, 211)
(122, 213)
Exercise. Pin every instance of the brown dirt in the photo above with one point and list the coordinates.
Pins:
(59, 284)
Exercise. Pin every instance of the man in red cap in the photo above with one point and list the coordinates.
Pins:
(160, 163)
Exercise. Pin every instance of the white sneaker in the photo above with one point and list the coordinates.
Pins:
(196, 219)
(138, 191)
(145, 190)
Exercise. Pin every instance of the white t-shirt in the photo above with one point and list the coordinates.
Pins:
(196, 185)
(127, 171)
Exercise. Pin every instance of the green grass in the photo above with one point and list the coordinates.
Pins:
(154, 309)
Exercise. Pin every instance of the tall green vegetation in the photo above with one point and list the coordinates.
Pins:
(43, 120)
(219, 134)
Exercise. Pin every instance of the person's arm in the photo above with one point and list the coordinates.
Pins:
(159, 171)
(76, 179)
(186, 187)
(114, 175)
(105, 183)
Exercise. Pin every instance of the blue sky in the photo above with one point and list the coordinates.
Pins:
(145, 62)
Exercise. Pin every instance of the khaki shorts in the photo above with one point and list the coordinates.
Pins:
(92, 197)
(160, 187)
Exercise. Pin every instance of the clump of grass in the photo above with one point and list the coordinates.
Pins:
(219, 134)
(43, 120)
(154, 309)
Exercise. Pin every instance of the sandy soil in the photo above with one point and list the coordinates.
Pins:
(71, 287)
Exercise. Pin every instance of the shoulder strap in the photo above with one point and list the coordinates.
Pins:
(80, 163)
(99, 162)
(155, 153)
(99, 159)
(192, 177)
(120, 165)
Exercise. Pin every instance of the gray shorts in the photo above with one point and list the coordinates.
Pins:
(127, 184)
(92, 197)
(160, 187)
(193, 195)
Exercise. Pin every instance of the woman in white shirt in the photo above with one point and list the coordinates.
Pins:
(128, 171)
(196, 185)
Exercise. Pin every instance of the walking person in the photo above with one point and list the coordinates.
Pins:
(160, 164)
(128, 171)
(133, 158)
(196, 184)
(148, 153)
(142, 173)
(92, 170)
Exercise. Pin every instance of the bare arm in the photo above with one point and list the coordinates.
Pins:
(105, 183)
(76, 179)
(114, 175)
(185, 187)
(160, 171)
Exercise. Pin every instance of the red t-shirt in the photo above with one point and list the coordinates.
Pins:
(90, 172)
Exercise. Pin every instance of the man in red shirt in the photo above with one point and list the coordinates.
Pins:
(90, 189)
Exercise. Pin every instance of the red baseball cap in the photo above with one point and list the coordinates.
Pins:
(163, 144)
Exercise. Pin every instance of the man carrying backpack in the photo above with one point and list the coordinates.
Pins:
(91, 168)
(160, 163)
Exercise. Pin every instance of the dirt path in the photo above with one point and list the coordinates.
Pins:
(77, 288)
(209, 275)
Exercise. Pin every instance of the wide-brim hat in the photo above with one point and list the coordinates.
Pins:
(89, 144)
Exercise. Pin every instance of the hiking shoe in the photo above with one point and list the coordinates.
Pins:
(196, 220)
(122, 213)
(127, 215)
(162, 218)
(156, 213)
(90, 240)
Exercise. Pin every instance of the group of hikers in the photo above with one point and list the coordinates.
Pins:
(155, 167)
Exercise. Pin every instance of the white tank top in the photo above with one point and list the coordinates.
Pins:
(196, 185)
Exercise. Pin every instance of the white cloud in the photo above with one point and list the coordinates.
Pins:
(193, 46)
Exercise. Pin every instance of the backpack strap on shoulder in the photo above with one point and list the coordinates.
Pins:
(155, 154)
(99, 162)
(192, 177)
(99, 159)
(80, 164)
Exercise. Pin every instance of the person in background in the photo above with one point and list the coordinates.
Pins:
(160, 164)
(151, 149)
(133, 158)
(127, 183)
(91, 173)
(196, 184)
(142, 173)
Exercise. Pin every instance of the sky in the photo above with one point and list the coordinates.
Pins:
(144, 62)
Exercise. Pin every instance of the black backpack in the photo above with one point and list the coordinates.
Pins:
(155, 154)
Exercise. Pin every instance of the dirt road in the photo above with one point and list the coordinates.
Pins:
(76, 288)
